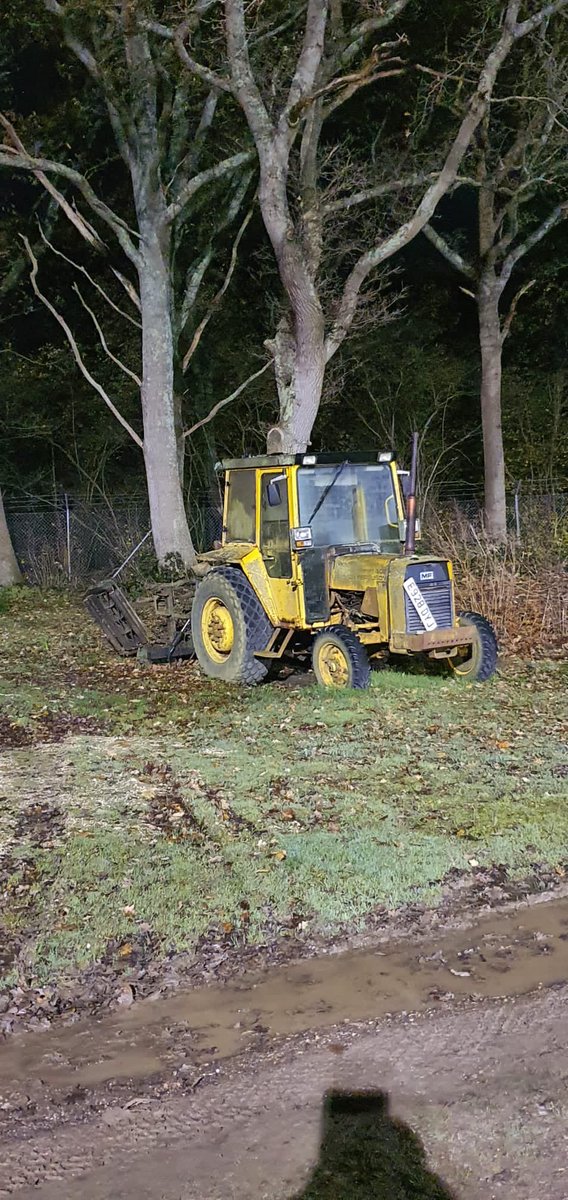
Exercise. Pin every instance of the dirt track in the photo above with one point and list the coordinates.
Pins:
(151, 1104)
(485, 1090)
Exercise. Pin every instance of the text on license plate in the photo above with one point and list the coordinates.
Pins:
(424, 612)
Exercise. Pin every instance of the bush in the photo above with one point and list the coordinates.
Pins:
(521, 587)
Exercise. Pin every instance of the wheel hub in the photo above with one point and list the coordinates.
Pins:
(217, 629)
(334, 665)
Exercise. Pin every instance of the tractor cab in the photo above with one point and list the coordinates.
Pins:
(301, 513)
(350, 501)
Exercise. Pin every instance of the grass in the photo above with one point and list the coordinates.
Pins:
(149, 803)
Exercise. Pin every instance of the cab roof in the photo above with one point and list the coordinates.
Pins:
(302, 460)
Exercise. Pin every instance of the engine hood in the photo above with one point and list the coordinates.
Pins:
(362, 569)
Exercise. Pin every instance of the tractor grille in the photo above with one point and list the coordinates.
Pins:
(438, 597)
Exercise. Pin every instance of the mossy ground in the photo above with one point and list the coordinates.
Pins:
(149, 803)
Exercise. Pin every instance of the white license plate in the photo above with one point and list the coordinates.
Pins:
(424, 612)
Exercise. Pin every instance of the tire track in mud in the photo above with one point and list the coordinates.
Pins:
(189, 1146)
(505, 955)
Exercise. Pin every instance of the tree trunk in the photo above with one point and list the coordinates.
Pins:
(9, 570)
(160, 408)
(491, 344)
(299, 343)
(299, 357)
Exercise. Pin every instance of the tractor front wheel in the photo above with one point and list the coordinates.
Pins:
(479, 660)
(228, 627)
(339, 659)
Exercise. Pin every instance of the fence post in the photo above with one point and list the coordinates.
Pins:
(68, 535)
(517, 513)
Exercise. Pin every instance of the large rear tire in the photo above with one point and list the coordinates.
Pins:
(480, 662)
(228, 625)
(339, 659)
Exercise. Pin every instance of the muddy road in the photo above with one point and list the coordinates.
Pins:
(459, 1042)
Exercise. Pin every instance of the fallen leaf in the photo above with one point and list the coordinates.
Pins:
(279, 855)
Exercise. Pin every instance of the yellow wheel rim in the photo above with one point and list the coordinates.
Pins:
(333, 665)
(468, 663)
(217, 629)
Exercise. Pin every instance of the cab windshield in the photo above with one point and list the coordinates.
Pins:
(348, 504)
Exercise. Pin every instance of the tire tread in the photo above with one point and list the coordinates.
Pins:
(489, 644)
(258, 628)
(361, 667)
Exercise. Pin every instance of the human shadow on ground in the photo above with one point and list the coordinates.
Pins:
(366, 1154)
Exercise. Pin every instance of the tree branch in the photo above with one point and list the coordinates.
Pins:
(25, 162)
(476, 111)
(209, 77)
(75, 349)
(87, 232)
(177, 38)
(558, 214)
(79, 267)
(117, 361)
(196, 273)
(87, 58)
(209, 176)
(193, 281)
(374, 193)
(129, 289)
(309, 59)
(227, 400)
(244, 84)
(356, 84)
(219, 295)
(19, 264)
(184, 165)
(452, 256)
(360, 32)
(525, 27)
(513, 308)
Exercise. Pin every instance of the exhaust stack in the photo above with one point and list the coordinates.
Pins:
(410, 543)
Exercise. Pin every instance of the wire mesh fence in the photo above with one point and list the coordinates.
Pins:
(75, 541)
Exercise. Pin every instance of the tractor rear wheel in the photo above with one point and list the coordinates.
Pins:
(480, 659)
(228, 626)
(339, 659)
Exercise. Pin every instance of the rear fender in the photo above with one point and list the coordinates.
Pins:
(253, 566)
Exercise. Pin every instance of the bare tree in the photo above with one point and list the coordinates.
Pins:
(520, 166)
(162, 142)
(286, 118)
(9, 570)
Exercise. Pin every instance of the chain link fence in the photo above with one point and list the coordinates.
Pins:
(530, 508)
(76, 541)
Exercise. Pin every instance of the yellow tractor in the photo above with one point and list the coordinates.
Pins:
(318, 558)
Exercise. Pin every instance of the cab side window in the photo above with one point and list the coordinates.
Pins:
(241, 507)
(275, 526)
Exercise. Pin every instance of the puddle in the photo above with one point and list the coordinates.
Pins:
(502, 955)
